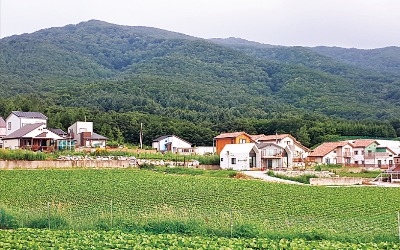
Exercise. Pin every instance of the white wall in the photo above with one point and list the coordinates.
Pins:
(78, 127)
(19, 122)
(11, 144)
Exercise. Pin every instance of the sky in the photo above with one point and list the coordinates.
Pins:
(364, 24)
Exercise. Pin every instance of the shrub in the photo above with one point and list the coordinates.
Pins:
(245, 231)
(7, 220)
(50, 222)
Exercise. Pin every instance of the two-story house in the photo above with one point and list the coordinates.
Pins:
(333, 153)
(242, 156)
(274, 156)
(231, 138)
(18, 119)
(82, 133)
(296, 150)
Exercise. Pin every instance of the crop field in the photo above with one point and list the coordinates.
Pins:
(133, 202)
(69, 239)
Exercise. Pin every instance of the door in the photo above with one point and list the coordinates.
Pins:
(269, 163)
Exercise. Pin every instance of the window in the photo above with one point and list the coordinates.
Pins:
(328, 160)
(222, 159)
(242, 141)
(233, 160)
(9, 125)
(356, 152)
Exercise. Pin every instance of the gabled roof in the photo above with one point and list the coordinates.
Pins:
(256, 137)
(238, 148)
(167, 136)
(327, 147)
(23, 131)
(2, 122)
(362, 143)
(231, 135)
(37, 115)
(273, 138)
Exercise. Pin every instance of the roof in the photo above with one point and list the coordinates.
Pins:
(393, 145)
(23, 131)
(256, 137)
(2, 122)
(362, 143)
(231, 135)
(327, 147)
(167, 136)
(96, 136)
(238, 148)
(272, 138)
(275, 137)
(57, 131)
(29, 114)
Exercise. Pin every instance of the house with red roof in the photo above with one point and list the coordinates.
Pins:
(332, 153)
(372, 153)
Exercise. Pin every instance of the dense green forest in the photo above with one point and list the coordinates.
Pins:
(121, 76)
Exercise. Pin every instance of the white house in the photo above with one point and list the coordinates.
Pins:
(298, 151)
(172, 143)
(274, 156)
(2, 130)
(82, 133)
(244, 156)
(32, 136)
(18, 119)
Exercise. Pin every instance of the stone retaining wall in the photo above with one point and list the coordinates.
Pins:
(88, 164)
(336, 181)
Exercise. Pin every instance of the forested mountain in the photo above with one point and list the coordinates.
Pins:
(121, 76)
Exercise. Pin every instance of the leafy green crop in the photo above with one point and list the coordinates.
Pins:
(134, 200)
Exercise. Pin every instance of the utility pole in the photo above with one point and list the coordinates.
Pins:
(141, 135)
(0, 20)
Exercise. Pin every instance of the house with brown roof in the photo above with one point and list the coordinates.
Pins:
(298, 151)
(333, 153)
(31, 136)
(231, 138)
(274, 156)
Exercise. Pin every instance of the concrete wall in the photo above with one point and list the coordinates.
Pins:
(336, 181)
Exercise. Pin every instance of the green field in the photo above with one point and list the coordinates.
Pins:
(147, 202)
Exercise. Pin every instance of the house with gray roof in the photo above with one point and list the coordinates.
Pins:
(172, 143)
(18, 119)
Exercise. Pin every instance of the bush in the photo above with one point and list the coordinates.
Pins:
(245, 231)
(50, 222)
(7, 220)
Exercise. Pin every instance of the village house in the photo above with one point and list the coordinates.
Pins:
(274, 156)
(18, 119)
(231, 138)
(172, 143)
(84, 136)
(297, 151)
(243, 156)
(33, 136)
(333, 153)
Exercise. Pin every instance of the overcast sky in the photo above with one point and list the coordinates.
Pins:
(343, 23)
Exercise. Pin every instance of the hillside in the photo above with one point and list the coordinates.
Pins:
(219, 84)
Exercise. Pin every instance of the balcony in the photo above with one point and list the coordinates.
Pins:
(271, 155)
(347, 154)
(372, 155)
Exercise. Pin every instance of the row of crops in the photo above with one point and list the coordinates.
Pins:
(69, 239)
(141, 201)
